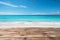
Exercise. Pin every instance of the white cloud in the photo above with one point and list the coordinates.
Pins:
(8, 4)
(23, 6)
(12, 5)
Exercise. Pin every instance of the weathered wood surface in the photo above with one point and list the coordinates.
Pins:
(29, 33)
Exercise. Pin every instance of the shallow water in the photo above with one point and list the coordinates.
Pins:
(41, 18)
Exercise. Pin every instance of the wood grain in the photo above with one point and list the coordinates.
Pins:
(29, 33)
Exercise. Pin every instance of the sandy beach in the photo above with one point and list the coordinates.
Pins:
(29, 24)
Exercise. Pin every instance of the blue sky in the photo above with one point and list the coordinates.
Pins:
(29, 7)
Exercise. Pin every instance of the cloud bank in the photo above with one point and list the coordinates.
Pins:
(8, 13)
(13, 13)
(23, 13)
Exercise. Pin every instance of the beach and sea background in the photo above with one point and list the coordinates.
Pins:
(22, 21)
(29, 19)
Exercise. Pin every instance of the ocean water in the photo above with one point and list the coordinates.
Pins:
(39, 18)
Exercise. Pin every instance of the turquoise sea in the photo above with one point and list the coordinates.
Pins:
(39, 18)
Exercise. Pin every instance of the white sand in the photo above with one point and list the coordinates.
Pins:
(29, 24)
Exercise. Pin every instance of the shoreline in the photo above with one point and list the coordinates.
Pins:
(29, 24)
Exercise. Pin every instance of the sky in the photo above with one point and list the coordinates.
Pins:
(29, 7)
